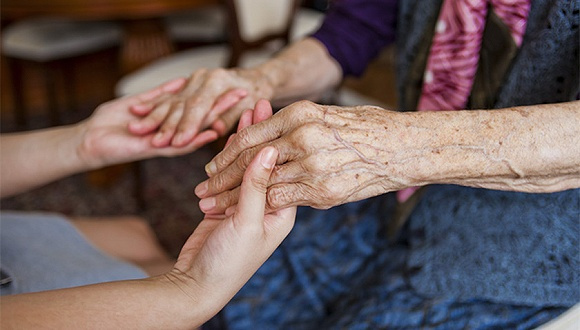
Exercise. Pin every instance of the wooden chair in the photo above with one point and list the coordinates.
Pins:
(257, 29)
(49, 44)
(197, 27)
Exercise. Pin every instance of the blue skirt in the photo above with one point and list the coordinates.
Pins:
(338, 269)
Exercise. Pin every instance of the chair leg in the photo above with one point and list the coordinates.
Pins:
(16, 73)
(69, 87)
(49, 72)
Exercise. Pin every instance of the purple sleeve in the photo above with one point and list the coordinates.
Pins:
(355, 31)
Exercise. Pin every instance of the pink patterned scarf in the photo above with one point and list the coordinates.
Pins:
(454, 53)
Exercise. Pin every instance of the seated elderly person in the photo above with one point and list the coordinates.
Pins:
(493, 239)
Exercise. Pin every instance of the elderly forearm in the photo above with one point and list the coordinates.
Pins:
(31, 159)
(332, 155)
(531, 149)
(303, 71)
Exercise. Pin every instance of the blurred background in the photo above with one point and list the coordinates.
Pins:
(62, 58)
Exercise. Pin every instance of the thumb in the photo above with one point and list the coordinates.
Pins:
(252, 201)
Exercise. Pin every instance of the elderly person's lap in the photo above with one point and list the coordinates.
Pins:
(464, 260)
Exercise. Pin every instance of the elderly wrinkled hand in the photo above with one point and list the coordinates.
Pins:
(328, 156)
(211, 98)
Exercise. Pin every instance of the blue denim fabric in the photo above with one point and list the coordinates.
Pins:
(41, 251)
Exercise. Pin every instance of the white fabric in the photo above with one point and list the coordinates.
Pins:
(47, 39)
(306, 21)
(257, 18)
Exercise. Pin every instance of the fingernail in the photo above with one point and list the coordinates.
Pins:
(210, 168)
(201, 189)
(207, 204)
(268, 158)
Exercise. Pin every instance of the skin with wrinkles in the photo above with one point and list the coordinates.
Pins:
(206, 96)
(216, 98)
(332, 155)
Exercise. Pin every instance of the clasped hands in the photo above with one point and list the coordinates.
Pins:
(329, 155)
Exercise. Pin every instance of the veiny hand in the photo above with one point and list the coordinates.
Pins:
(328, 156)
(222, 254)
(106, 139)
(213, 98)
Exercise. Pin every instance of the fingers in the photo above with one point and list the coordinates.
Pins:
(204, 138)
(223, 103)
(259, 133)
(285, 195)
(197, 103)
(246, 119)
(220, 203)
(231, 176)
(200, 140)
(165, 134)
(251, 204)
(262, 111)
(152, 121)
(171, 86)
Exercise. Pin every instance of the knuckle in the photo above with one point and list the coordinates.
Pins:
(310, 129)
(305, 136)
(217, 183)
(307, 110)
(330, 195)
(227, 199)
(198, 73)
(276, 198)
(217, 74)
(244, 137)
(312, 165)
(243, 160)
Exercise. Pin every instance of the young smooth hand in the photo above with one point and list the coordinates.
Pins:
(218, 258)
(106, 139)
(222, 254)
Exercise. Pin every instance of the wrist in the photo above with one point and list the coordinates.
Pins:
(71, 148)
(377, 138)
(85, 147)
(272, 76)
(190, 302)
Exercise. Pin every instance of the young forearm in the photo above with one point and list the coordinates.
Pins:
(304, 70)
(154, 303)
(31, 159)
(531, 149)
